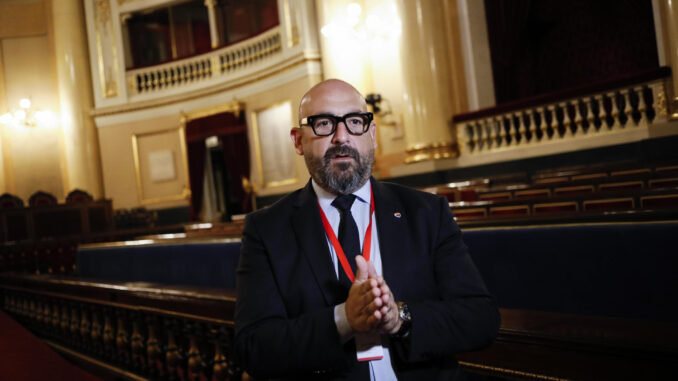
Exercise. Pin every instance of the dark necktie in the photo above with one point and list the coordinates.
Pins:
(348, 235)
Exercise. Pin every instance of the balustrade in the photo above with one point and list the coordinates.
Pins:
(136, 336)
(225, 62)
(620, 109)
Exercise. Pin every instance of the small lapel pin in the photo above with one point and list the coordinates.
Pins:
(397, 215)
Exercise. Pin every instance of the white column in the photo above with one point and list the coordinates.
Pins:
(427, 103)
(75, 96)
(214, 35)
(669, 21)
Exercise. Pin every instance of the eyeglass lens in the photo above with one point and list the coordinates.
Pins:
(324, 125)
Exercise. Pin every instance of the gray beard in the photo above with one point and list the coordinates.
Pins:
(342, 178)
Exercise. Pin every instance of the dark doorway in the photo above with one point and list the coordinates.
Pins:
(218, 159)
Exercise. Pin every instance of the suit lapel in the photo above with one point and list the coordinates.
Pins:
(310, 235)
(393, 236)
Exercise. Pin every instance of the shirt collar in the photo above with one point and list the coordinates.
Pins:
(325, 198)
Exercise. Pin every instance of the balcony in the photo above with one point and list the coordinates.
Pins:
(223, 65)
(607, 113)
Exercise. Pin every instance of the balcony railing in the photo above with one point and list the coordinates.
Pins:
(604, 108)
(225, 62)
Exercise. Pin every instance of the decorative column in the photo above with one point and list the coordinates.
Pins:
(81, 147)
(214, 35)
(668, 12)
(426, 80)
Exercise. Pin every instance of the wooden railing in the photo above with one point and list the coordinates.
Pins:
(597, 110)
(225, 62)
(150, 331)
(159, 332)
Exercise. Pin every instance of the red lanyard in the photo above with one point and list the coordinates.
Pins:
(367, 242)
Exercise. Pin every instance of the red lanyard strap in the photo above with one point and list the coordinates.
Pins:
(367, 241)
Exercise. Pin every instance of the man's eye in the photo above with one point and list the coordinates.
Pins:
(323, 123)
(355, 121)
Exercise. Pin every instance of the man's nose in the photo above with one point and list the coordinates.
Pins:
(340, 134)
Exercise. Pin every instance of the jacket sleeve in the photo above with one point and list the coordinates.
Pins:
(465, 316)
(268, 343)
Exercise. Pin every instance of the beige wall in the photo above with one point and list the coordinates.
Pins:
(292, 92)
(120, 171)
(31, 156)
(160, 133)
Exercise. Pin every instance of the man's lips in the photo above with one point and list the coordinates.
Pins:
(341, 159)
(341, 154)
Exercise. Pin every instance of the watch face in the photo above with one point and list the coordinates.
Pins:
(404, 312)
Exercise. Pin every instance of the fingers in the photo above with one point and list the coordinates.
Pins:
(371, 271)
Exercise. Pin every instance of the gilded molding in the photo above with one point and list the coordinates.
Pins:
(104, 29)
(233, 106)
(185, 192)
(291, 28)
(259, 153)
(431, 151)
(103, 13)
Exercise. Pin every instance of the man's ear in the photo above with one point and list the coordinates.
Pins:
(295, 135)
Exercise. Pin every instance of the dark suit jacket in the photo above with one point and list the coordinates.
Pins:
(287, 290)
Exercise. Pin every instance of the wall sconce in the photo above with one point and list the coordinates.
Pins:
(26, 116)
(385, 112)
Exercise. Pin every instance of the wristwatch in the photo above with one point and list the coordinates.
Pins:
(405, 319)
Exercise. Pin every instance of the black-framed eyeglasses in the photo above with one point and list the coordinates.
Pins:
(357, 123)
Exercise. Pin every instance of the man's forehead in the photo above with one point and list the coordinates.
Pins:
(331, 97)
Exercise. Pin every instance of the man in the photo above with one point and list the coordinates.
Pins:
(416, 297)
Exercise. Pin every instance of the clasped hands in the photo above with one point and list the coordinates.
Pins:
(370, 306)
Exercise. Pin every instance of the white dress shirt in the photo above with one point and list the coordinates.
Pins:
(380, 370)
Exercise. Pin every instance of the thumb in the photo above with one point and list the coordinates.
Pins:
(363, 271)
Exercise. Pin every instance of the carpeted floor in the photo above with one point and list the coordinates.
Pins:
(24, 357)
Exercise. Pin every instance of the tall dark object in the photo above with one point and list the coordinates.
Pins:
(232, 133)
(538, 47)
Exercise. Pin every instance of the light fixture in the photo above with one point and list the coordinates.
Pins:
(373, 27)
(26, 116)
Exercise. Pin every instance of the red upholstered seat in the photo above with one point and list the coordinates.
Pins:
(78, 196)
(41, 198)
(8, 201)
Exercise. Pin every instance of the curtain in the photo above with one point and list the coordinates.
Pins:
(236, 158)
(232, 132)
(196, 170)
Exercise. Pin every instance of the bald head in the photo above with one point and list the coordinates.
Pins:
(324, 96)
(340, 162)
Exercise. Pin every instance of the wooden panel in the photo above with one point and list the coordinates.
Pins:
(574, 190)
(531, 193)
(555, 207)
(630, 172)
(667, 168)
(463, 214)
(513, 210)
(609, 204)
(551, 180)
(659, 201)
(552, 346)
(497, 196)
(626, 185)
(661, 183)
(589, 176)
